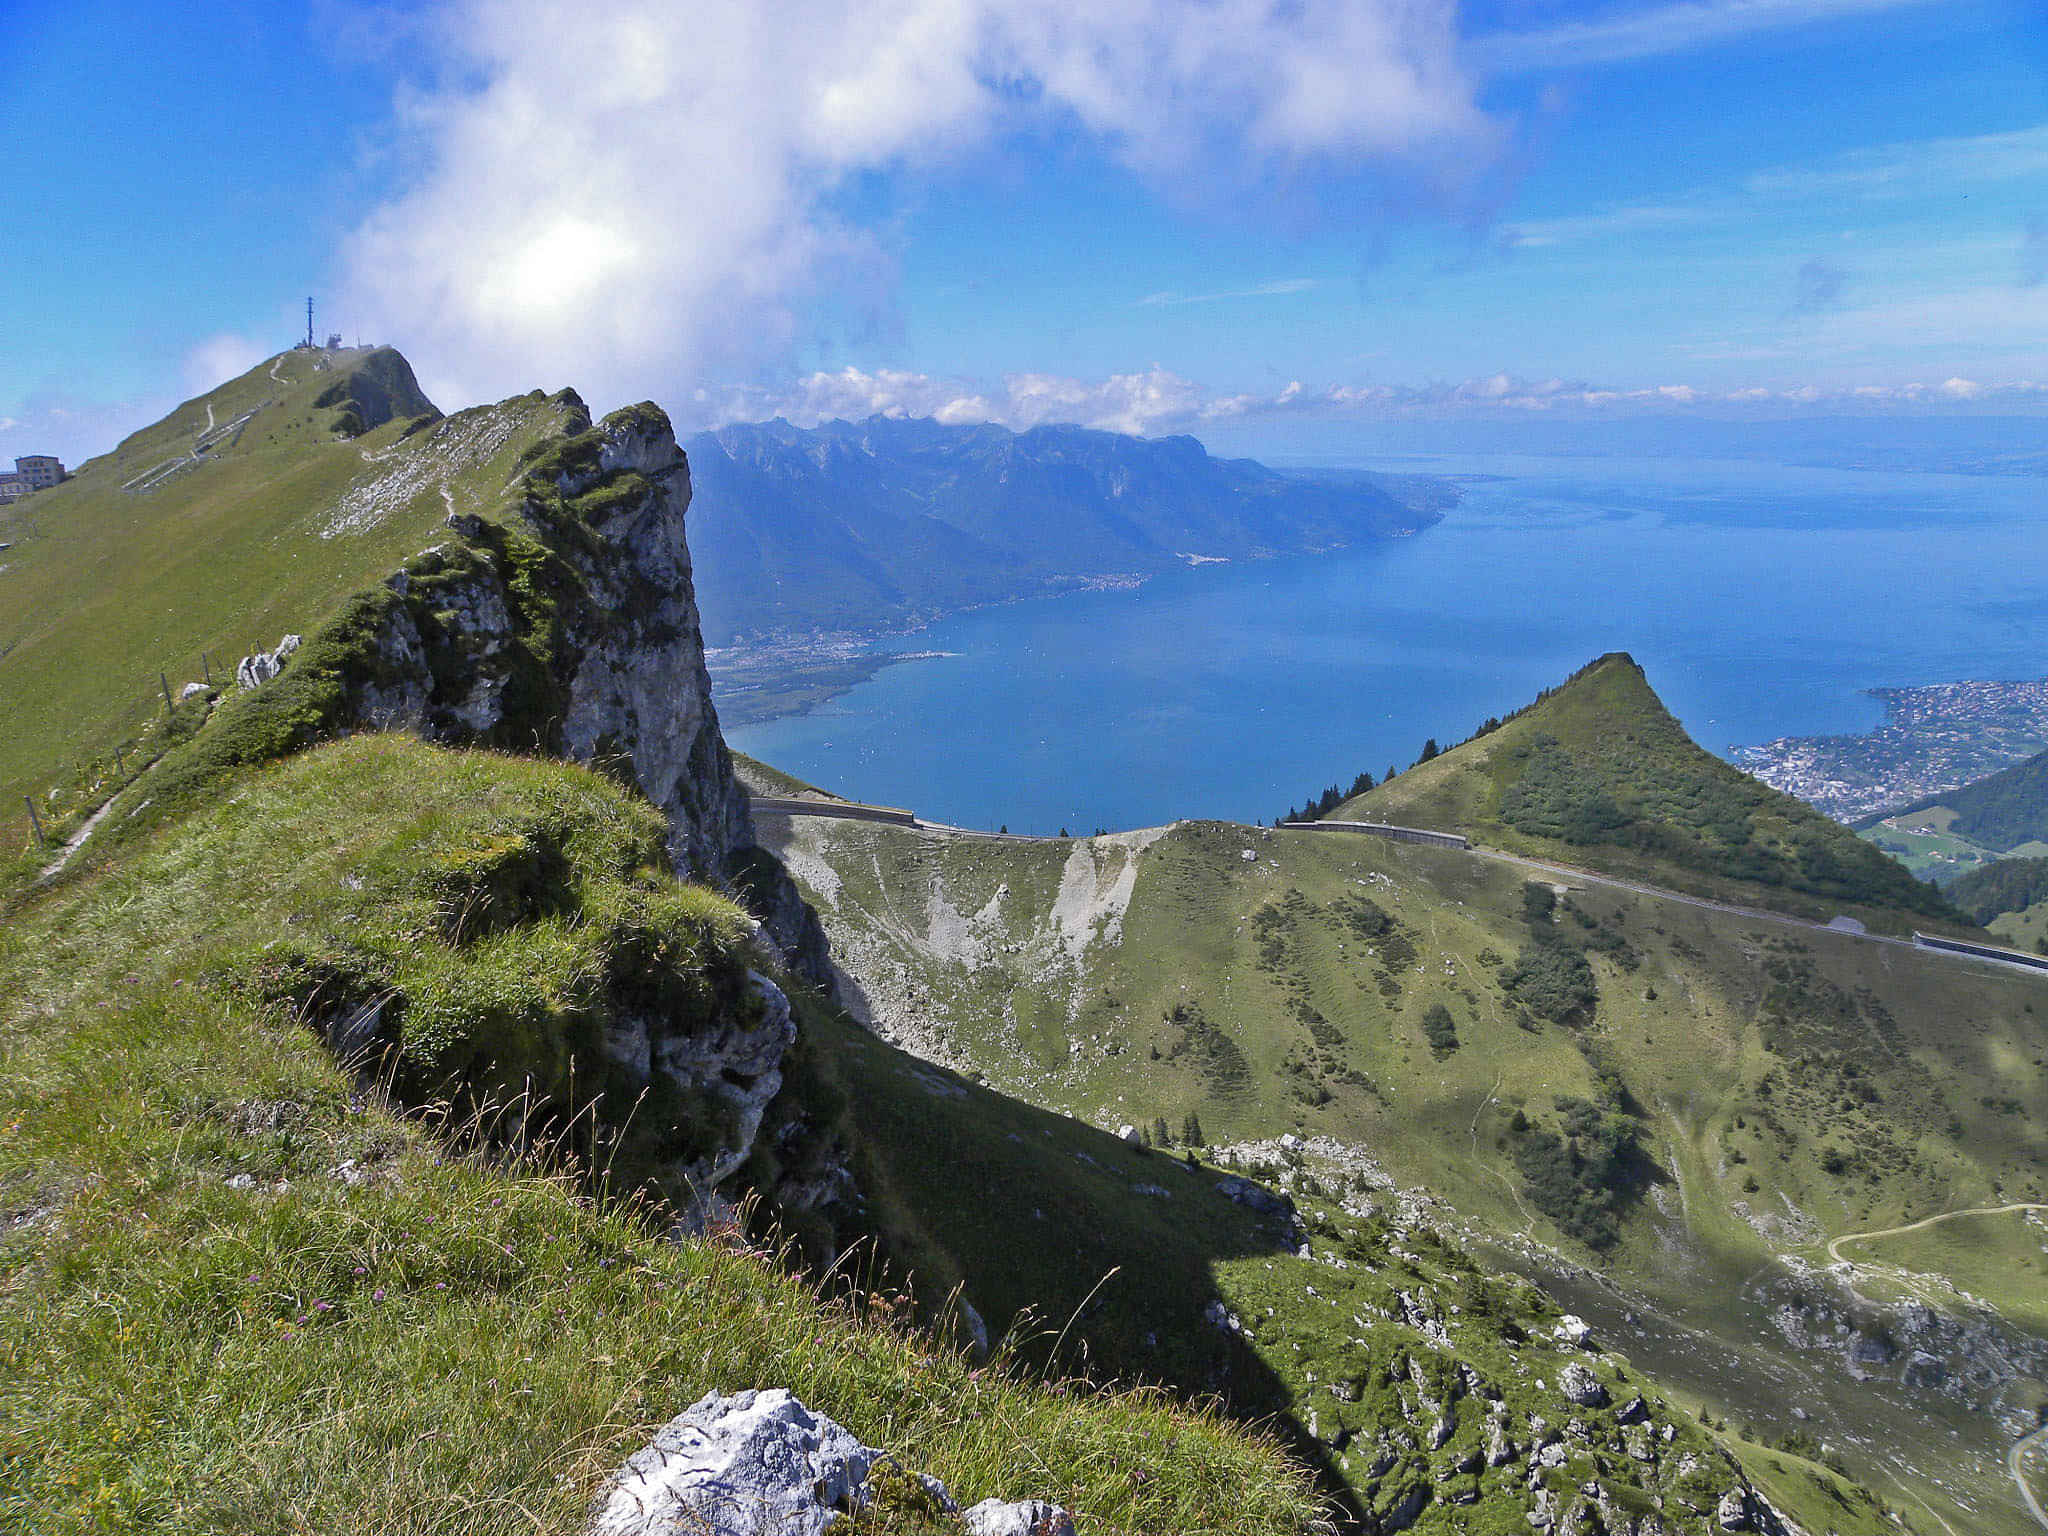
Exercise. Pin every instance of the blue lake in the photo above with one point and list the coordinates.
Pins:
(1761, 600)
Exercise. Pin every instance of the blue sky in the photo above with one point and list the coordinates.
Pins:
(1212, 215)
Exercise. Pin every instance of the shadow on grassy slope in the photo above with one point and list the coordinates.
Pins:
(240, 1297)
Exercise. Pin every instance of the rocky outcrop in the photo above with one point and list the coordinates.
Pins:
(1581, 1386)
(264, 665)
(565, 624)
(571, 629)
(730, 1071)
(762, 1464)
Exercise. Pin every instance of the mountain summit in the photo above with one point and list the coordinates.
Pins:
(1598, 772)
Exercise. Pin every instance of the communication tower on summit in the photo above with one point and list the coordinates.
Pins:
(309, 322)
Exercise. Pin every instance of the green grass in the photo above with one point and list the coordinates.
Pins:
(1597, 773)
(378, 1334)
(1931, 855)
(2027, 929)
(759, 778)
(434, 1338)
(105, 589)
(2001, 1260)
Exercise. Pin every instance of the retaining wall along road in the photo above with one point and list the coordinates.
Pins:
(1382, 829)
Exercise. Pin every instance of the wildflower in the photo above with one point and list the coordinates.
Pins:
(377, 1294)
(360, 1270)
(323, 1306)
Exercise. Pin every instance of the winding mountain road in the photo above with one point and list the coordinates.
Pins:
(1835, 1244)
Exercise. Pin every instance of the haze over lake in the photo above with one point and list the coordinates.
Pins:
(1760, 599)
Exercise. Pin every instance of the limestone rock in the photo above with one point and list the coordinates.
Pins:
(738, 1062)
(1574, 1332)
(762, 1464)
(254, 671)
(1500, 1449)
(619, 678)
(752, 1464)
(1579, 1384)
(1030, 1517)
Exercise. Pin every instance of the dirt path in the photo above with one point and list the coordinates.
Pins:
(77, 841)
(1835, 1244)
(2016, 1464)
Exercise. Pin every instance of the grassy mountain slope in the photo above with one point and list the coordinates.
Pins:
(1964, 833)
(342, 471)
(219, 1244)
(1598, 773)
(240, 1294)
(1719, 1092)
(858, 526)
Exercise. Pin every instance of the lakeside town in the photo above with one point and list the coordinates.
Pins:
(1933, 739)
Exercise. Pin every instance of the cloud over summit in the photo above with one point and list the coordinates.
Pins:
(635, 197)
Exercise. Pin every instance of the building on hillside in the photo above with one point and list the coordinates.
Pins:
(32, 472)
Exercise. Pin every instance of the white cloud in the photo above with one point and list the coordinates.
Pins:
(1262, 291)
(1627, 219)
(634, 196)
(1913, 166)
(1662, 29)
(217, 359)
(1138, 403)
(1158, 401)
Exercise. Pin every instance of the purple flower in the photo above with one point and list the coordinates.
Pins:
(377, 1294)
(323, 1306)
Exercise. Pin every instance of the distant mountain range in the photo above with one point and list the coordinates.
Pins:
(859, 527)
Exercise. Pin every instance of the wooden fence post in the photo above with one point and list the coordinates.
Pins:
(166, 682)
(35, 822)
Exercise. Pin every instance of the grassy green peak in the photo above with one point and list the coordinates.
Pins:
(1598, 772)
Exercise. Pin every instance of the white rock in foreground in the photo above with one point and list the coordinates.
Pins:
(762, 1464)
(1031, 1517)
(752, 1464)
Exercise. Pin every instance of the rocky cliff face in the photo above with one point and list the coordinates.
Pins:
(569, 627)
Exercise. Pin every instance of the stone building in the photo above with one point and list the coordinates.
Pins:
(32, 472)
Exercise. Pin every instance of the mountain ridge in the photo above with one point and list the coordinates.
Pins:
(890, 522)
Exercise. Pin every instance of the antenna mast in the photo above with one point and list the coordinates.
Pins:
(309, 322)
